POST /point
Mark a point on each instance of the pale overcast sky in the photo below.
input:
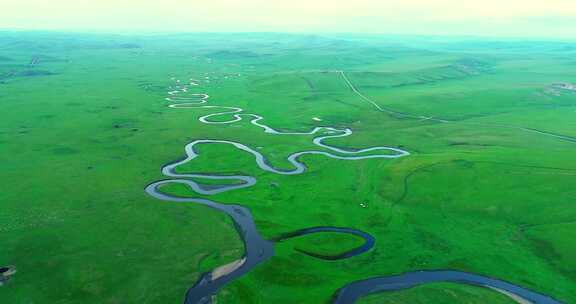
(552, 18)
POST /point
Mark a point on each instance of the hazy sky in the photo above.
(553, 18)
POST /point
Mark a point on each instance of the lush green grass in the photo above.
(85, 131)
(439, 293)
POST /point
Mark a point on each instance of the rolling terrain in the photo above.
(484, 184)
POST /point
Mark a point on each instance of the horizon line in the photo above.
(295, 33)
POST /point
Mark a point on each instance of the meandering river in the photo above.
(258, 249)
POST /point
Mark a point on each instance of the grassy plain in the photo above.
(85, 129)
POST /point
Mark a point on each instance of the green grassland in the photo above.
(438, 293)
(84, 130)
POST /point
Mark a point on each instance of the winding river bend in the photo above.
(258, 249)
